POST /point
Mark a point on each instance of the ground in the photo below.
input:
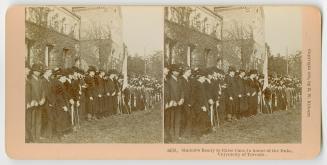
(146, 127)
(279, 127)
(138, 127)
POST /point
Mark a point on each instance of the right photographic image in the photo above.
(232, 74)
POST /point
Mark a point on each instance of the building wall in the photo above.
(249, 19)
(101, 36)
(192, 36)
(51, 36)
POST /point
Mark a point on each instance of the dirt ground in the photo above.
(279, 127)
(138, 127)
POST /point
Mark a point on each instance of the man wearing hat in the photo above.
(175, 102)
(100, 86)
(75, 93)
(211, 94)
(91, 93)
(48, 118)
(186, 119)
(111, 93)
(216, 88)
(62, 117)
(167, 107)
(253, 93)
(199, 103)
(37, 97)
(241, 105)
(222, 96)
(231, 94)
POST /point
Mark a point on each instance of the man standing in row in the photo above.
(37, 97)
(175, 102)
(186, 87)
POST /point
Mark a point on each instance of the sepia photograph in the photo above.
(232, 74)
(173, 82)
(92, 74)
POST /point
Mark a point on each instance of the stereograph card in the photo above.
(216, 82)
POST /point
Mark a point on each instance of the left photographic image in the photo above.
(93, 74)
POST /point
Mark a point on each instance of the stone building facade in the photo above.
(51, 36)
(81, 36)
(192, 36)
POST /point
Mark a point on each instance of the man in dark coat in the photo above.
(253, 93)
(215, 89)
(240, 100)
(48, 117)
(111, 92)
(199, 103)
(37, 97)
(76, 95)
(222, 97)
(100, 94)
(231, 90)
(167, 107)
(91, 93)
(62, 117)
(186, 88)
(175, 102)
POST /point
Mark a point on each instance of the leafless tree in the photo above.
(101, 35)
(238, 43)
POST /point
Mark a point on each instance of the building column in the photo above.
(189, 57)
(171, 52)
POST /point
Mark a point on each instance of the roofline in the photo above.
(212, 12)
(70, 12)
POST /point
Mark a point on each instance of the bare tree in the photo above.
(101, 35)
(238, 43)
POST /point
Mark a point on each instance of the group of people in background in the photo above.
(57, 100)
(198, 101)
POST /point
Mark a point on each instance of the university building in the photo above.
(80, 36)
(197, 36)
(51, 36)
(192, 36)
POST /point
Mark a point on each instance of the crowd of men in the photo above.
(57, 100)
(198, 101)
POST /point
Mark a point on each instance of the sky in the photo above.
(143, 29)
(283, 29)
